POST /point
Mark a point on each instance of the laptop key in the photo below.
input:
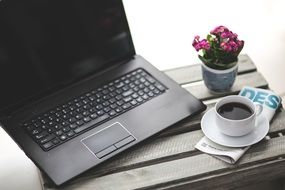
(35, 131)
(145, 96)
(134, 102)
(126, 106)
(47, 145)
(97, 120)
(107, 109)
(80, 122)
(63, 137)
(72, 126)
(50, 130)
(113, 106)
(58, 133)
(47, 138)
(93, 116)
(86, 107)
(99, 107)
(159, 86)
(72, 120)
(150, 94)
(41, 135)
(70, 133)
(79, 116)
(55, 141)
(85, 113)
(65, 129)
(127, 99)
(56, 127)
(150, 79)
(112, 113)
(127, 93)
(64, 123)
(92, 110)
(86, 119)
(139, 99)
(156, 91)
(119, 109)
(119, 85)
(101, 112)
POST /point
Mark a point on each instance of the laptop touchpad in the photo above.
(108, 140)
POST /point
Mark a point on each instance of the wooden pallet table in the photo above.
(169, 160)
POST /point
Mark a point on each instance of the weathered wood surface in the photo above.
(186, 169)
(169, 160)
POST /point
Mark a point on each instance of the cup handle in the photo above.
(258, 108)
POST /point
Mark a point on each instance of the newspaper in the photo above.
(270, 102)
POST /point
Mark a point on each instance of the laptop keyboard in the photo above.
(87, 111)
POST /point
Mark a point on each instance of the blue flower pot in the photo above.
(219, 80)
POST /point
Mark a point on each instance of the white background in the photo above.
(163, 31)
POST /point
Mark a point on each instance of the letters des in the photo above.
(261, 97)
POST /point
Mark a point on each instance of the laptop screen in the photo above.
(47, 44)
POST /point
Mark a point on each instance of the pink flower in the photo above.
(225, 35)
(233, 45)
(240, 43)
(196, 42)
(198, 45)
(220, 46)
(228, 35)
(234, 36)
(227, 47)
(219, 29)
(205, 44)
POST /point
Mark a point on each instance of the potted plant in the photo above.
(219, 55)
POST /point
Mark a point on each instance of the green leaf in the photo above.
(209, 38)
(204, 60)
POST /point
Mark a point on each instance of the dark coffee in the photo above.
(235, 111)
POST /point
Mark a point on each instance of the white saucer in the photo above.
(211, 130)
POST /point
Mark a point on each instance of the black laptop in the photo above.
(73, 91)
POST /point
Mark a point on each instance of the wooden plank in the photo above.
(184, 169)
(254, 79)
(259, 174)
(159, 150)
(188, 74)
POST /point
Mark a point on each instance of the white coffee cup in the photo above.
(237, 127)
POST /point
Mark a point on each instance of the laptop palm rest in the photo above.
(108, 140)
